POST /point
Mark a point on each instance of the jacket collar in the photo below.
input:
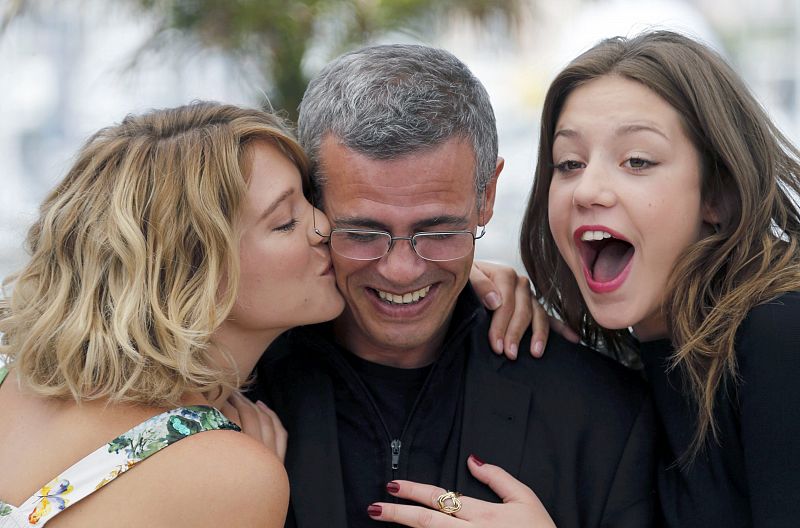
(496, 414)
(312, 459)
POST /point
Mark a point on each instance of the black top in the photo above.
(576, 427)
(393, 390)
(396, 423)
(752, 476)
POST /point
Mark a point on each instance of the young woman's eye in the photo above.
(639, 164)
(288, 226)
(569, 166)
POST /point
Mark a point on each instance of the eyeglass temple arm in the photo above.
(314, 221)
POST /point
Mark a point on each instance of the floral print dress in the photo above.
(110, 461)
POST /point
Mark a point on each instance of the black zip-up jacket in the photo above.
(575, 426)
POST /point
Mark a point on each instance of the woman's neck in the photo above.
(244, 347)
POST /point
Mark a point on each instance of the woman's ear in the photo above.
(719, 206)
(711, 215)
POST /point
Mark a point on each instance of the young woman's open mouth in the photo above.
(606, 257)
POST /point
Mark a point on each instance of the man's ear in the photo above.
(489, 193)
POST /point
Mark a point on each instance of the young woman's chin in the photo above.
(645, 327)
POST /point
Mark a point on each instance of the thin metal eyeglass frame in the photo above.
(411, 239)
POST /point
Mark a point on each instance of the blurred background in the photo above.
(70, 67)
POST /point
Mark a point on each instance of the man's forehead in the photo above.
(450, 164)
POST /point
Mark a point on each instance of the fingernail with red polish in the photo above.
(374, 510)
(393, 487)
(477, 460)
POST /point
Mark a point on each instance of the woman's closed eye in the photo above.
(288, 226)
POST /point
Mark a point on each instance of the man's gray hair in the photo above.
(391, 100)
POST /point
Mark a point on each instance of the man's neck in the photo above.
(349, 334)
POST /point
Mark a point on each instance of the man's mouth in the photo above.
(605, 254)
(403, 298)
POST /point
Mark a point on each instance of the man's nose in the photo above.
(401, 265)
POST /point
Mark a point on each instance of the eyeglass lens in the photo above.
(374, 245)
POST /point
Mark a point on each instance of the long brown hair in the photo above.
(123, 288)
(749, 176)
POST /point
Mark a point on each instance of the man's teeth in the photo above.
(595, 235)
(405, 298)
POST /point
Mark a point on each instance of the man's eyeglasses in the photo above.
(437, 246)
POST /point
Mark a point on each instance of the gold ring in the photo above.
(448, 502)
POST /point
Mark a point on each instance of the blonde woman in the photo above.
(179, 245)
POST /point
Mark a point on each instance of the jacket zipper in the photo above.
(395, 447)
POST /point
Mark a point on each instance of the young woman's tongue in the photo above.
(611, 260)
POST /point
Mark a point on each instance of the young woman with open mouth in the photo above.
(664, 221)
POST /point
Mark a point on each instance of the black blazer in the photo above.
(575, 426)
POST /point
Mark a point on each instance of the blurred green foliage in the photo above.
(278, 34)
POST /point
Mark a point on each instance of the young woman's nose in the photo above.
(594, 187)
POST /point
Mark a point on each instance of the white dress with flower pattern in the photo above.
(110, 461)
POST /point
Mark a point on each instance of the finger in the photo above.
(428, 495)
(541, 328)
(281, 436)
(230, 412)
(248, 415)
(564, 331)
(494, 285)
(484, 287)
(504, 485)
(424, 494)
(414, 516)
(521, 317)
(502, 315)
(261, 423)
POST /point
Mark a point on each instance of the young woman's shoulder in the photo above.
(768, 405)
(214, 478)
(771, 332)
(768, 357)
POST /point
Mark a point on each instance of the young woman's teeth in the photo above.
(405, 298)
(595, 235)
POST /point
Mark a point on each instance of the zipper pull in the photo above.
(395, 445)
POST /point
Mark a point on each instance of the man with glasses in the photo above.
(403, 385)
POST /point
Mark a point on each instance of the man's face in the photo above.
(432, 190)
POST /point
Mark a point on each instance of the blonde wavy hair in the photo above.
(134, 259)
(750, 177)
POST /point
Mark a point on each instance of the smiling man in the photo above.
(403, 385)
(400, 302)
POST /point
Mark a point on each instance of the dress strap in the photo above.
(3, 374)
(118, 456)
